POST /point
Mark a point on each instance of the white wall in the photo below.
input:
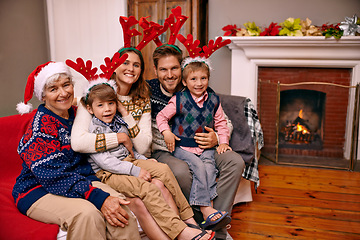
(263, 12)
(23, 46)
(86, 29)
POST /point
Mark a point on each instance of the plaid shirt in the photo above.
(251, 171)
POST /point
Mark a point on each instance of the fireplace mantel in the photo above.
(249, 53)
(310, 47)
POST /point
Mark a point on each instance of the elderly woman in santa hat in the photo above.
(56, 184)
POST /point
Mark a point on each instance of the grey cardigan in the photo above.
(111, 160)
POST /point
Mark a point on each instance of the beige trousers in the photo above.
(80, 218)
(151, 195)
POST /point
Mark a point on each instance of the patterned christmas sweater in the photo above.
(158, 101)
(50, 165)
(138, 121)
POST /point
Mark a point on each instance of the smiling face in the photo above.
(197, 82)
(168, 72)
(103, 110)
(128, 72)
(59, 95)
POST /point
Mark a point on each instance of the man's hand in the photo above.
(144, 175)
(124, 139)
(170, 138)
(206, 140)
(114, 213)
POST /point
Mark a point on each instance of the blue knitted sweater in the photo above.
(50, 165)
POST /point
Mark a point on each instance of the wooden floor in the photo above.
(300, 203)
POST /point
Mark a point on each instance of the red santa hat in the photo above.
(36, 82)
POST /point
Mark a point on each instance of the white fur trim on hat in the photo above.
(188, 60)
(23, 108)
(48, 71)
(99, 81)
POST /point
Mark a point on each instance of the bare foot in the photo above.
(191, 221)
(207, 210)
(189, 233)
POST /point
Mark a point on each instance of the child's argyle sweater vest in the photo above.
(190, 118)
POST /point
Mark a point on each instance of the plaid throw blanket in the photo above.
(251, 170)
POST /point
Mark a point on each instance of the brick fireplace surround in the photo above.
(335, 106)
(299, 59)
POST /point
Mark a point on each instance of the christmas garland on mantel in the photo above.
(298, 27)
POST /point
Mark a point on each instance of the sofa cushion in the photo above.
(15, 225)
(241, 140)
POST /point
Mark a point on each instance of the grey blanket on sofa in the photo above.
(241, 138)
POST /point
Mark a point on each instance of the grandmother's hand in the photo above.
(114, 213)
(206, 140)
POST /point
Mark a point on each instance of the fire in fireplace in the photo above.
(301, 119)
(297, 132)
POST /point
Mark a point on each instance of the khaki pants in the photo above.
(150, 194)
(80, 218)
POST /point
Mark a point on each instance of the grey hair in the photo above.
(56, 77)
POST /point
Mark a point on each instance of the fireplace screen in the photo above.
(301, 119)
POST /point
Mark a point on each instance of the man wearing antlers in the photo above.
(167, 64)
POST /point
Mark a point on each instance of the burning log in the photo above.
(298, 132)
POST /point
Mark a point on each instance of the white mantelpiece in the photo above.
(249, 53)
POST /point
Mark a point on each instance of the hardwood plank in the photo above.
(326, 204)
(312, 178)
(307, 222)
(306, 183)
(308, 194)
(300, 203)
(301, 210)
(304, 171)
(271, 231)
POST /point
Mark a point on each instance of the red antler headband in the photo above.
(195, 54)
(151, 31)
(175, 26)
(175, 21)
(90, 73)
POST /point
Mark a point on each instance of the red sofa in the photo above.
(15, 225)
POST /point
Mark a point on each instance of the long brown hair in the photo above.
(140, 89)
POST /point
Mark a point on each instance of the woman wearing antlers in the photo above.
(134, 108)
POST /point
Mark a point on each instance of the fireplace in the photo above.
(263, 67)
(301, 119)
(310, 111)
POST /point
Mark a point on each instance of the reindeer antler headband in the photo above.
(90, 73)
(151, 32)
(175, 21)
(195, 54)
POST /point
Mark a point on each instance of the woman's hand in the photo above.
(170, 138)
(124, 139)
(144, 174)
(206, 140)
(114, 213)
(122, 110)
(223, 148)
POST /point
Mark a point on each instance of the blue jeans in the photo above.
(203, 168)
